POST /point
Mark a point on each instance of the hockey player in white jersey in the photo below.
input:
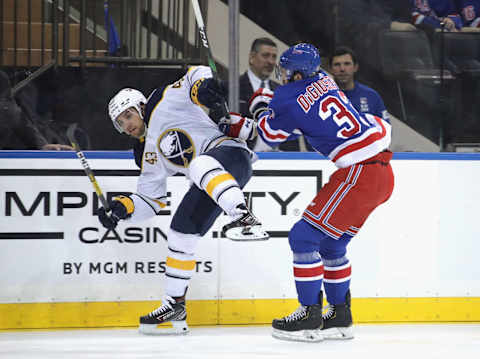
(176, 136)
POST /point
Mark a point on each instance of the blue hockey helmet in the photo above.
(302, 58)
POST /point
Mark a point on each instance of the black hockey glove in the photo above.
(120, 208)
(212, 93)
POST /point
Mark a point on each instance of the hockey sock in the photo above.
(308, 274)
(336, 279)
(179, 270)
(180, 263)
(209, 175)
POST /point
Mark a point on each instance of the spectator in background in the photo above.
(261, 63)
(17, 130)
(470, 13)
(433, 14)
(343, 66)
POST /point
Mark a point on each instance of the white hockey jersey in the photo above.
(178, 131)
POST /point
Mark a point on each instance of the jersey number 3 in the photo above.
(333, 107)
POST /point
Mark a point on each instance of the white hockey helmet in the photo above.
(123, 100)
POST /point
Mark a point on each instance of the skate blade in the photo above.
(255, 233)
(179, 327)
(310, 336)
(341, 333)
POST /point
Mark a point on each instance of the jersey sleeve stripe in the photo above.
(364, 143)
(270, 134)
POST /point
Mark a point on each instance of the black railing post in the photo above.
(176, 27)
(168, 32)
(134, 28)
(149, 26)
(15, 20)
(94, 35)
(42, 50)
(55, 32)
(83, 10)
(138, 16)
(107, 26)
(160, 30)
(66, 32)
(122, 28)
(1, 32)
(29, 21)
(186, 13)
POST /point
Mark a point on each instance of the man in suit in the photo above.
(261, 63)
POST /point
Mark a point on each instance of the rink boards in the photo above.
(415, 259)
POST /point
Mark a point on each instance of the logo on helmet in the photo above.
(302, 58)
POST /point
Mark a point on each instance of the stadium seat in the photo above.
(461, 52)
(404, 52)
(406, 59)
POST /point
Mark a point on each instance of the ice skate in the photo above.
(170, 311)
(337, 321)
(246, 227)
(303, 325)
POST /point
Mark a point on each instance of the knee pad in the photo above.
(304, 238)
(333, 248)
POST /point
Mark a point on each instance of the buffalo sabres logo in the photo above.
(151, 157)
(177, 147)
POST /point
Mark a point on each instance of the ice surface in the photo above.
(254, 342)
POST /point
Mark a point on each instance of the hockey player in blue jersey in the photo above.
(434, 13)
(310, 103)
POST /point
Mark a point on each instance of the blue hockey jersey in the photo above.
(431, 12)
(367, 100)
(470, 11)
(318, 109)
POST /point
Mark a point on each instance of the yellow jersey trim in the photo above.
(215, 181)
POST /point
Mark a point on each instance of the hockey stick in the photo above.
(86, 167)
(206, 44)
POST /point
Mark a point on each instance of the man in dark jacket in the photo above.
(261, 63)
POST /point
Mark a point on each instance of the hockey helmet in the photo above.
(122, 101)
(302, 58)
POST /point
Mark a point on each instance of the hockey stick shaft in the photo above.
(203, 37)
(206, 45)
(86, 167)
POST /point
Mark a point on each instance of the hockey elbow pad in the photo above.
(121, 207)
(238, 126)
(208, 92)
(259, 102)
